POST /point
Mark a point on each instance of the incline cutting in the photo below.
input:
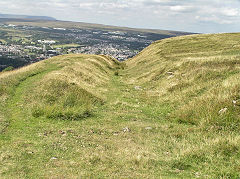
(171, 111)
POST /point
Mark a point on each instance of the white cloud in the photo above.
(187, 15)
(231, 12)
(86, 5)
(180, 8)
(213, 19)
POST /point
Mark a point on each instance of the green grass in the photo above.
(3, 41)
(153, 116)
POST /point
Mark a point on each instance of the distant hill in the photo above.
(46, 22)
(14, 16)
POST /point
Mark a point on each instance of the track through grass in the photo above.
(171, 112)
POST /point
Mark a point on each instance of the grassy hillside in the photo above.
(198, 74)
(170, 112)
(72, 84)
(192, 85)
(45, 97)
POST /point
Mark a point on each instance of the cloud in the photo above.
(179, 8)
(231, 12)
(187, 15)
(213, 19)
(161, 2)
(86, 5)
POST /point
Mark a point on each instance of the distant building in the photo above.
(59, 28)
(47, 41)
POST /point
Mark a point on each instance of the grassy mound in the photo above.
(65, 87)
(193, 83)
(197, 75)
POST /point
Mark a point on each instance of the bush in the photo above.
(10, 68)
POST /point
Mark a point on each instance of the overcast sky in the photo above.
(206, 16)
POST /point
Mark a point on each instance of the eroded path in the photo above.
(116, 141)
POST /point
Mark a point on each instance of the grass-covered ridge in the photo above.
(170, 112)
(194, 81)
(66, 87)
(197, 74)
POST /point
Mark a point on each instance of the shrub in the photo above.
(10, 68)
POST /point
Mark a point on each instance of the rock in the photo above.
(137, 88)
(138, 157)
(126, 129)
(53, 158)
(222, 111)
(170, 73)
(166, 153)
(63, 133)
(236, 102)
(178, 171)
(148, 128)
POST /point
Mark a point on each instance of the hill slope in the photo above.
(56, 86)
(171, 111)
(14, 16)
(194, 72)
(41, 22)
(193, 82)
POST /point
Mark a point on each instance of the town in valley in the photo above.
(25, 44)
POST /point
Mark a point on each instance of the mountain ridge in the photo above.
(15, 16)
(66, 24)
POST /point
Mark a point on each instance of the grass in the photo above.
(197, 76)
(10, 68)
(3, 41)
(166, 113)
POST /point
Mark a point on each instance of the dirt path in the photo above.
(117, 141)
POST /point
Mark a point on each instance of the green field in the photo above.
(170, 112)
(3, 41)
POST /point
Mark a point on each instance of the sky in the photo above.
(202, 16)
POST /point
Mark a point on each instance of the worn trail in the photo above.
(113, 138)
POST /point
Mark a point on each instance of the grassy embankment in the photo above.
(192, 85)
(172, 112)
